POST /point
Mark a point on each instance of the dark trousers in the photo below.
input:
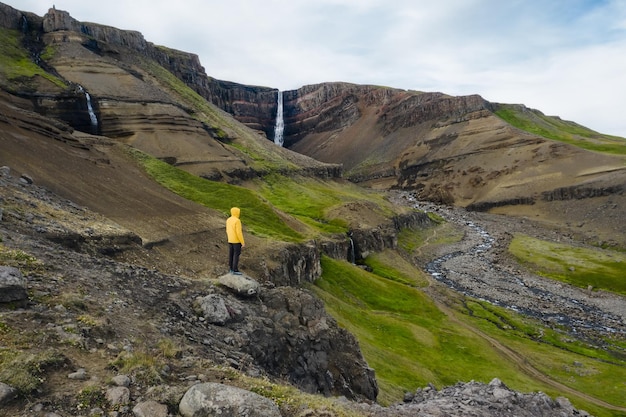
(234, 250)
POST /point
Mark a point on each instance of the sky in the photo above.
(566, 58)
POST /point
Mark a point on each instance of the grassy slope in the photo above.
(408, 340)
(597, 268)
(554, 128)
(16, 67)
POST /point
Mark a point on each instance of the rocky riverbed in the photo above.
(480, 267)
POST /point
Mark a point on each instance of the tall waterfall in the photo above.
(280, 123)
(92, 114)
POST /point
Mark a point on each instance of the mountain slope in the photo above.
(458, 150)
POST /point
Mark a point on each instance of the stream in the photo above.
(473, 268)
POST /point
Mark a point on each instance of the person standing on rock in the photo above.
(235, 240)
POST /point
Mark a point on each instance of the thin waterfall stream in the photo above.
(92, 114)
(279, 128)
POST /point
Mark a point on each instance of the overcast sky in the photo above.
(562, 57)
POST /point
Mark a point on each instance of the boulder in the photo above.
(212, 399)
(240, 284)
(12, 285)
(150, 409)
(213, 309)
(7, 393)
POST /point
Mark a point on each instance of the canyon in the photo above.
(110, 238)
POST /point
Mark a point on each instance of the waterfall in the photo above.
(352, 260)
(280, 123)
(92, 114)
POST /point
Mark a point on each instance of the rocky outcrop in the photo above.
(296, 264)
(211, 399)
(583, 191)
(285, 333)
(60, 20)
(475, 399)
(297, 340)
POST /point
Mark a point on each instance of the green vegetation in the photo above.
(410, 341)
(554, 128)
(23, 370)
(308, 200)
(16, 66)
(415, 240)
(145, 366)
(599, 373)
(90, 397)
(390, 265)
(260, 217)
(311, 201)
(20, 259)
(584, 267)
(404, 336)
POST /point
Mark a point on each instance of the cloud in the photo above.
(563, 58)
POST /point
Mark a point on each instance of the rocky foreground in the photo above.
(93, 311)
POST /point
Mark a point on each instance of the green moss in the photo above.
(555, 128)
(91, 397)
(390, 265)
(25, 262)
(584, 267)
(143, 365)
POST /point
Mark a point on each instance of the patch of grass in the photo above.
(597, 372)
(71, 301)
(305, 200)
(583, 267)
(311, 200)
(21, 260)
(390, 265)
(554, 128)
(404, 336)
(24, 371)
(169, 349)
(91, 397)
(410, 342)
(257, 216)
(16, 66)
(413, 241)
(144, 365)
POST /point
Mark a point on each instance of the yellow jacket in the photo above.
(233, 227)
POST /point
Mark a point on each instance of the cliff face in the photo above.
(454, 150)
(102, 80)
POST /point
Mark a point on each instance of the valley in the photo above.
(412, 252)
